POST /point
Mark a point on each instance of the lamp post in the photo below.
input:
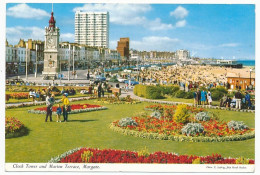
(36, 60)
(250, 77)
(73, 59)
(69, 64)
(26, 60)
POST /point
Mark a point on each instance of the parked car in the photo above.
(132, 82)
(121, 80)
(100, 78)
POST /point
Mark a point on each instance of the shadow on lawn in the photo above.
(82, 120)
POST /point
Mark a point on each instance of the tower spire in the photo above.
(52, 20)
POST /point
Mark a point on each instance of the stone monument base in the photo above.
(49, 75)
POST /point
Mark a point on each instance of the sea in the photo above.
(246, 62)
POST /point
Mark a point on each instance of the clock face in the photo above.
(51, 41)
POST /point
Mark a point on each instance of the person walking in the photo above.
(49, 104)
(238, 97)
(66, 103)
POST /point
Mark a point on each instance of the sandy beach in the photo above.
(195, 73)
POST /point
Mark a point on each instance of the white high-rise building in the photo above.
(182, 54)
(92, 28)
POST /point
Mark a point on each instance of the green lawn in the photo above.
(91, 129)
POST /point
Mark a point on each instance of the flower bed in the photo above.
(21, 95)
(75, 108)
(90, 155)
(167, 127)
(28, 104)
(14, 128)
(113, 100)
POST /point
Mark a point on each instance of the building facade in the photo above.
(123, 47)
(30, 52)
(92, 28)
(243, 82)
(182, 54)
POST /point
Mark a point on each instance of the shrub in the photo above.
(153, 92)
(169, 90)
(124, 122)
(216, 95)
(218, 92)
(156, 114)
(237, 125)
(181, 114)
(192, 129)
(202, 116)
(188, 95)
(180, 94)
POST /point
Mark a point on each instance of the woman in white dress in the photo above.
(209, 98)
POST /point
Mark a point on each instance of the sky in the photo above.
(207, 31)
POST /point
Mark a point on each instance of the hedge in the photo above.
(150, 92)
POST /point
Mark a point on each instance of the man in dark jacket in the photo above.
(238, 97)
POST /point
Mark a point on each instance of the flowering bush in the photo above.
(14, 127)
(237, 125)
(202, 116)
(123, 156)
(124, 122)
(21, 95)
(182, 114)
(192, 129)
(75, 108)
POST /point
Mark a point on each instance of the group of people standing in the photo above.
(202, 97)
(50, 101)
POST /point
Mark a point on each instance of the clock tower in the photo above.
(51, 50)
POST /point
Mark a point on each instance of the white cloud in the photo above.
(179, 12)
(25, 11)
(157, 25)
(153, 43)
(127, 14)
(14, 34)
(67, 37)
(229, 45)
(181, 23)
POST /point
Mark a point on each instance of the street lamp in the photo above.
(69, 64)
(36, 60)
(250, 76)
(26, 60)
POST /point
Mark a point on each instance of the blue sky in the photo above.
(211, 31)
